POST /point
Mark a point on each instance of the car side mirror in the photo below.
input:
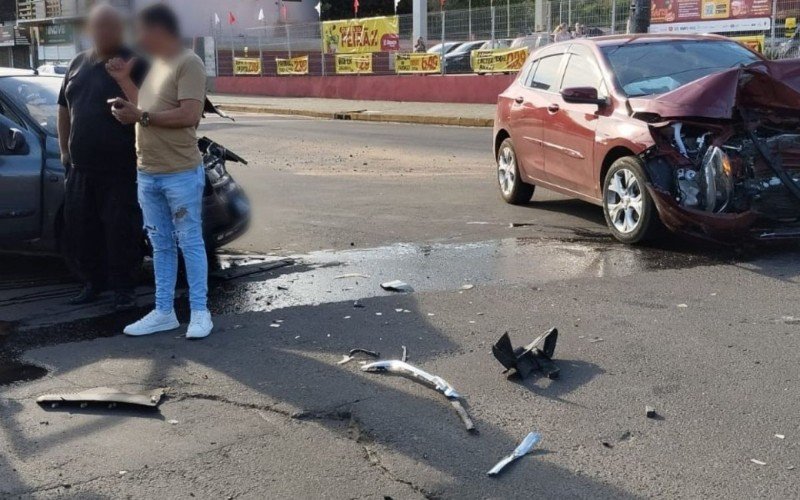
(12, 141)
(582, 95)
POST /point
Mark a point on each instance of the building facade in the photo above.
(14, 44)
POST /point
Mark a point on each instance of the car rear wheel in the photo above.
(512, 189)
(628, 208)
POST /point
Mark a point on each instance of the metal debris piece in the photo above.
(397, 286)
(780, 436)
(149, 398)
(405, 354)
(357, 304)
(468, 286)
(351, 275)
(758, 462)
(353, 352)
(403, 369)
(521, 450)
(650, 412)
(538, 355)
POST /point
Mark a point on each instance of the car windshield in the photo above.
(640, 67)
(38, 95)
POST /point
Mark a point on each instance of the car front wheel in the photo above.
(628, 208)
(512, 189)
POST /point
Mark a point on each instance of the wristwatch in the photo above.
(144, 120)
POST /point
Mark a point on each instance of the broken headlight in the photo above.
(716, 180)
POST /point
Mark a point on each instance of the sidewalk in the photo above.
(432, 113)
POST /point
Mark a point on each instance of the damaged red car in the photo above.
(696, 133)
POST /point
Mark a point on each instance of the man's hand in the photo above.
(119, 69)
(124, 111)
(65, 159)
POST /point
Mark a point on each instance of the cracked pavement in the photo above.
(261, 409)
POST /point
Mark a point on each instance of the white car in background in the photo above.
(52, 69)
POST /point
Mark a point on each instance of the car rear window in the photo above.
(658, 67)
(545, 76)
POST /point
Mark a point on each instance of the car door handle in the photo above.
(519, 100)
(553, 108)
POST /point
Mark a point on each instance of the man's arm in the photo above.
(128, 75)
(64, 125)
(186, 115)
(191, 96)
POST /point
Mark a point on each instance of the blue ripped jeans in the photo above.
(172, 207)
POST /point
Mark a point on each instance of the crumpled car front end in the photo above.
(726, 159)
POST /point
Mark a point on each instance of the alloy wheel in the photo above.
(506, 170)
(624, 200)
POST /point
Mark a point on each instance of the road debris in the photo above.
(525, 447)
(780, 436)
(683, 306)
(351, 275)
(149, 398)
(405, 354)
(537, 355)
(358, 305)
(403, 369)
(650, 412)
(522, 224)
(758, 462)
(172, 422)
(354, 352)
(397, 286)
(468, 286)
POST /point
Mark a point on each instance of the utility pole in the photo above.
(538, 15)
(419, 17)
(640, 16)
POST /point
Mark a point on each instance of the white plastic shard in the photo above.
(397, 286)
(149, 398)
(403, 369)
(525, 447)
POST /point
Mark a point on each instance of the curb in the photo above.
(362, 116)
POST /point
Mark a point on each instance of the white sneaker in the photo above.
(155, 321)
(200, 325)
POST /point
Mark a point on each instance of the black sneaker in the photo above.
(124, 301)
(87, 295)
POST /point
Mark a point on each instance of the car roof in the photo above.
(16, 72)
(612, 40)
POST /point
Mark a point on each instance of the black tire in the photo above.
(631, 215)
(512, 189)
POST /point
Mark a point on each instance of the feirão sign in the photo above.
(352, 36)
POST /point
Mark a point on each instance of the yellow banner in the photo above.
(418, 62)
(352, 36)
(790, 26)
(498, 60)
(755, 42)
(246, 66)
(293, 66)
(351, 64)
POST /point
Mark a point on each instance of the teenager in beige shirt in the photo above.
(171, 178)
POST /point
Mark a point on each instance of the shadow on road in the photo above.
(276, 369)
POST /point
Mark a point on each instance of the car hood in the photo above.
(774, 85)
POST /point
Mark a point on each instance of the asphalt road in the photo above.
(261, 409)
